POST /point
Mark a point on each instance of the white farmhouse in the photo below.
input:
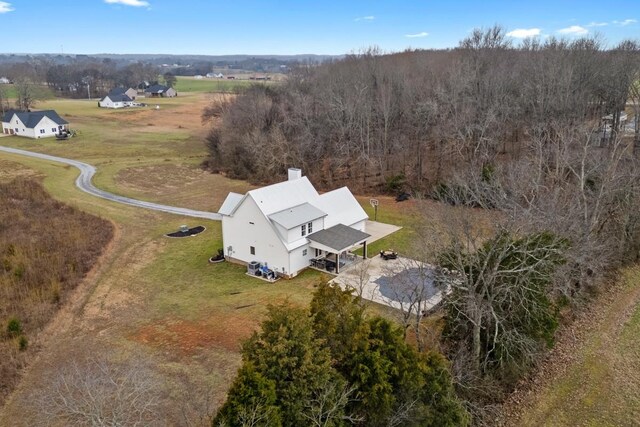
(33, 124)
(289, 225)
(118, 97)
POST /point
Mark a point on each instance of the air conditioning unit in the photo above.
(253, 268)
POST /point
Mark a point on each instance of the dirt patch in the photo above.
(10, 170)
(186, 116)
(159, 179)
(179, 185)
(187, 338)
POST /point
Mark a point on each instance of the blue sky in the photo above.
(291, 27)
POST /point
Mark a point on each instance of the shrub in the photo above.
(14, 327)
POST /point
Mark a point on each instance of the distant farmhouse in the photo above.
(289, 226)
(118, 98)
(160, 91)
(215, 75)
(4, 81)
(34, 124)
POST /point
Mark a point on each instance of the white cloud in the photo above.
(365, 18)
(523, 33)
(575, 30)
(135, 3)
(5, 7)
(416, 35)
(625, 22)
(597, 24)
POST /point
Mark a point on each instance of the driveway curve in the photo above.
(83, 182)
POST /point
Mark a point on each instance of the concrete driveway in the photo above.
(403, 283)
(378, 230)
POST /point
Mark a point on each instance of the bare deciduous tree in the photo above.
(97, 391)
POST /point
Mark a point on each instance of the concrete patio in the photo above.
(399, 283)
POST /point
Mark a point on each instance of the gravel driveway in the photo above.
(83, 182)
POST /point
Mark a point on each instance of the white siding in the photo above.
(299, 261)
(239, 232)
(49, 127)
(296, 232)
(108, 103)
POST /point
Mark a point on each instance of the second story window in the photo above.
(303, 229)
(310, 228)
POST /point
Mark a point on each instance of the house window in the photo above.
(41, 130)
(53, 130)
(310, 228)
(16, 130)
(252, 249)
(304, 229)
(304, 252)
(318, 252)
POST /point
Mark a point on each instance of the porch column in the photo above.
(364, 250)
(337, 263)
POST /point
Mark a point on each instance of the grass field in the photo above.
(599, 384)
(150, 294)
(40, 92)
(189, 84)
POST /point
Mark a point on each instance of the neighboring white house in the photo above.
(118, 97)
(34, 124)
(4, 80)
(289, 224)
(115, 101)
(160, 91)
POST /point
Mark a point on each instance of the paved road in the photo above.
(84, 183)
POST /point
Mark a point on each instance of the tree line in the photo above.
(79, 79)
(412, 118)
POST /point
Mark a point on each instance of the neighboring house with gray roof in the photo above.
(33, 124)
(289, 226)
(160, 91)
(118, 97)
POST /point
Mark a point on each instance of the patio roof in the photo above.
(337, 239)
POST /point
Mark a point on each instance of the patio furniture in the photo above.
(389, 254)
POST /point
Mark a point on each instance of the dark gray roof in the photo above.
(118, 97)
(31, 119)
(7, 115)
(339, 237)
(117, 91)
(157, 89)
(297, 215)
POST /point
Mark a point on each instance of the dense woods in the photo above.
(535, 133)
(416, 117)
(46, 248)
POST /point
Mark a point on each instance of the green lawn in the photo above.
(189, 84)
(40, 91)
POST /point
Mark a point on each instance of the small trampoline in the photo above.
(405, 285)
(187, 232)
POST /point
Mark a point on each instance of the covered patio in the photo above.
(333, 247)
